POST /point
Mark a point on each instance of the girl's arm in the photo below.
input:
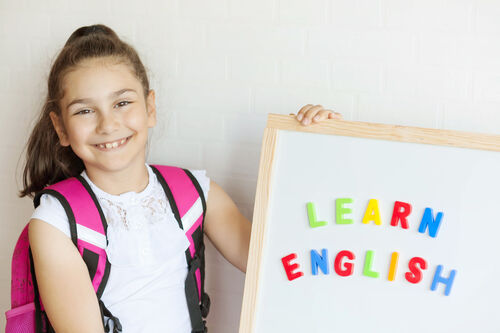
(227, 228)
(63, 280)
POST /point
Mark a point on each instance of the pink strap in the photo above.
(21, 283)
(185, 195)
(87, 215)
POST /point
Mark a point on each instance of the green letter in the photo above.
(340, 210)
(311, 213)
(367, 270)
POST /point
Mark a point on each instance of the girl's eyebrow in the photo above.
(113, 94)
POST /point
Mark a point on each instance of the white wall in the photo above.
(218, 67)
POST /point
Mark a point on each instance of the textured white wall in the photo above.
(218, 67)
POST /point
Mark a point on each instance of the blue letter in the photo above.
(446, 281)
(429, 222)
(320, 261)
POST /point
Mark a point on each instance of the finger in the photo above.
(321, 115)
(335, 115)
(311, 113)
(304, 109)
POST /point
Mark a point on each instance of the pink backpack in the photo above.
(88, 232)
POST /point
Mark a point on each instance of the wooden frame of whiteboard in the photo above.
(276, 123)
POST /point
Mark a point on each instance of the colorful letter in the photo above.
(367, 270)
(311, 213)
(429, 222)
(393, 267)
(400, 213)
(340, 211)
(320, 261)
(416, 274)
(290, 268)
(446, 281)
(348, 267)
(372, 212)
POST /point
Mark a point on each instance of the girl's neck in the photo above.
(133, 179)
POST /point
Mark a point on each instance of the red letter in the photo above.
(416, 274)
(400, 215)
(289, 268)
(348, 267)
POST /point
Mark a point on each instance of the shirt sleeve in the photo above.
(204, 181)
(52, 212)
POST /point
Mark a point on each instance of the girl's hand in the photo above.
(315, 113)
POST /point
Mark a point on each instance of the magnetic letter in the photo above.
(311, 213)
(320, 261)
(367, 270)
(446, 281)
(372, 212)
(348, 267)
(429, 222)
(340, 211)
(415, 274)
(290, 268)
(400, 213)
(393, 267)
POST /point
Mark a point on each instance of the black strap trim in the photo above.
(96, 202)
(38, 314)
(91, 260)
(170, 196)
(105, 278)
(192, 298)
(67, 209)
(201, 194)
(117, 326)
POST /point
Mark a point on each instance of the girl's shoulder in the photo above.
(203, 180)
(51, 211)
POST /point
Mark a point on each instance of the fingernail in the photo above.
(299, 117)
(306, 121)
(316, 118)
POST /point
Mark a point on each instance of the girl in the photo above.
(94, 123)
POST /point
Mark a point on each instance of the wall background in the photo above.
(218, 67)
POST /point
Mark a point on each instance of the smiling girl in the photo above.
(94, 126)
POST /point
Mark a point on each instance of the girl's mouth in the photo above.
(113, 144)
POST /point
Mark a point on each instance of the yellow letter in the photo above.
(372, 213)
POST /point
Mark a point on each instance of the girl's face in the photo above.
(105, 118)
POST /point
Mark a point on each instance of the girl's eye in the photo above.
(120, 104)
(86, 111)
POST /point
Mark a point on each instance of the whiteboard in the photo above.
(461, 183)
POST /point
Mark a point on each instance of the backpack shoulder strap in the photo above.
(188, 204)
(87, 223)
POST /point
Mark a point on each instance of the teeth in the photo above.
(112, 145)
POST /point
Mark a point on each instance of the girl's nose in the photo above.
(107, 123)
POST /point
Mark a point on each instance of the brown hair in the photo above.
(47, 162)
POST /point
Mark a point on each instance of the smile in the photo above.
(113, 144)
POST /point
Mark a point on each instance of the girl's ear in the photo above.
(58, 126)
(151, 108)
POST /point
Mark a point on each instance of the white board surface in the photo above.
(462, 183)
